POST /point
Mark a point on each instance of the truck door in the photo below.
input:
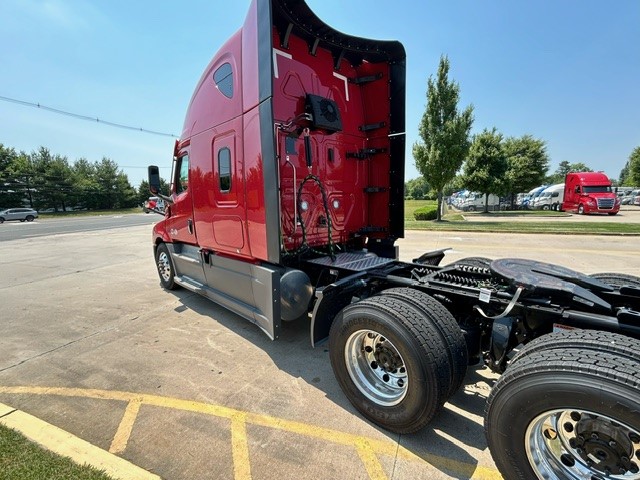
(180, 223)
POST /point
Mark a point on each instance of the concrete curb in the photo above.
(63, 443)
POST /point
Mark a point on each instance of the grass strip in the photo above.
(560, 228)
(21, 459)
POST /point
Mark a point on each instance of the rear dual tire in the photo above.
(391, 361)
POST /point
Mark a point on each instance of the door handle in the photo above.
(190, 226)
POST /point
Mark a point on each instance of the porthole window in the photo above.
(223, 78)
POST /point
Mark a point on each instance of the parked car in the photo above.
(636, 200)
(21, 214)
(628, 198)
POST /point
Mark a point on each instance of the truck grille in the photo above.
(605, 203)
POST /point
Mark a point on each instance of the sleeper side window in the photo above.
(224, 169)
(223, 78)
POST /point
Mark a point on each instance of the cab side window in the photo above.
(182, 174)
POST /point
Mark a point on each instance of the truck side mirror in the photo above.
(154, 179)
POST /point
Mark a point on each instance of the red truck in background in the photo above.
(285, 205)
(589, 192)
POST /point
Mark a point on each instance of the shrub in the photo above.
(426, 213)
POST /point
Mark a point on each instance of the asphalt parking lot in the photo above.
(187, 390)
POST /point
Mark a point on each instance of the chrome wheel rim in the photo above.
(376, 367)
(164, 266)
(582, 445)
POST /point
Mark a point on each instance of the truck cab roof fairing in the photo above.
(295, 17)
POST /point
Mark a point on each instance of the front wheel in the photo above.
(166, 270)
(581, 209)
(30, 218)
(566, 414)
(390, 363)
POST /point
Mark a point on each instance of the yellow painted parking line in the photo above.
(126, 426)
(240, 448)
(368, 449)
(370, 460)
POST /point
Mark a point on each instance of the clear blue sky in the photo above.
(567, 71)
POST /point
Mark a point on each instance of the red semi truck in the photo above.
(589, 192)
(286, 201)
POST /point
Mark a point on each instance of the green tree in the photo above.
(527, 164)
(417, 188)
(114, 189)
(485, 168)
(579, 167)
(444, 132)
(633, 177)
(624, 179)
(564, 168)
(51, 179)
(12, 188)
(86, 185)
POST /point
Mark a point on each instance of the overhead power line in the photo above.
(84, 117)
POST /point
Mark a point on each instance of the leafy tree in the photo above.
(444, 132)
(12, 190)
(486, 165)
(51, 179)
(86, 184)
(564, 168)
(633, 168)
(624, 178)
(48, 180)
(579, 167)
(527, 163)
(417, 188)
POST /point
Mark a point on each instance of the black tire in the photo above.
(165, 267)
(481, 262)
(1, 220)
(402, 383)
(472, 208)
(587, 340)
(450, 333)
(30, 218)
(612, 213)
(22, 219)
(569, 414)
(581, 209)
(617, 279)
